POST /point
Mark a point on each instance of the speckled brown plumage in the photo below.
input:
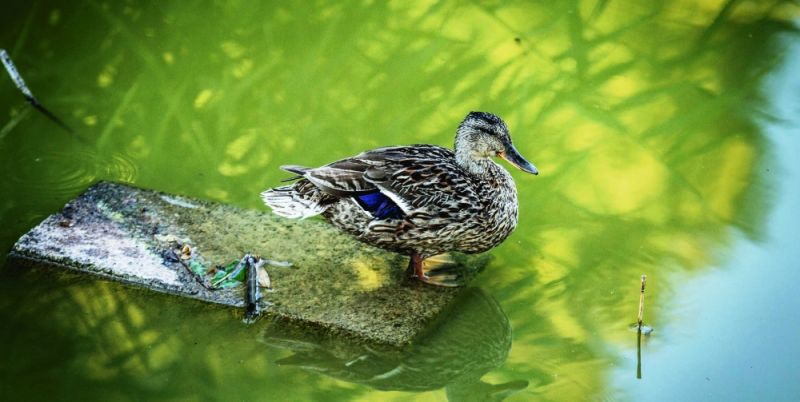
(419, 200)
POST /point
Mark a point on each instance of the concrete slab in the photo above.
(335, 284)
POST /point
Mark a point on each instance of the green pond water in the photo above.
(667, 137)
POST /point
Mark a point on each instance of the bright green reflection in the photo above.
(640, 117)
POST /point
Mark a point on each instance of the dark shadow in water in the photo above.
(643, 119)
(75, 337)
(473, 338)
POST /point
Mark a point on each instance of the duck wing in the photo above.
(428, 178)
(344, 178)
(393, 181)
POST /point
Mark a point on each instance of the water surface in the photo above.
(666, 136)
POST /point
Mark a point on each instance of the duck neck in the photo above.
(471, 160)
(481, 167)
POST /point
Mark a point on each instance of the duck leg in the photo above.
(443, 270)
(415, 267)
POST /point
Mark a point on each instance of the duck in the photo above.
(419, 200)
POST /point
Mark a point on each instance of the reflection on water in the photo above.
(61, 174)
(471, 339)
(121, 340)
(642, 119)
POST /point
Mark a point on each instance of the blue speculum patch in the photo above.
(379, 205)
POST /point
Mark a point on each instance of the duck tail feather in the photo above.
(298, 170)
(293, 202)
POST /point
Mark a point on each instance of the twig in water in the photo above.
(639, 330)
(641, 302)
(20, 83)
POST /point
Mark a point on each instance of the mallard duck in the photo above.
(420, 200)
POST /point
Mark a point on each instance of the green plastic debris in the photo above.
(229, 275)
(219, 277)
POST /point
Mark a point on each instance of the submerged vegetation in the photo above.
(643, 120)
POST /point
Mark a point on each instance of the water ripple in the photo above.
(119, 167)
(64, 174)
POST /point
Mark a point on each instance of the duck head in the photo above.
(479, 137)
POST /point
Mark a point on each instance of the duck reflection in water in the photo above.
(455, 353)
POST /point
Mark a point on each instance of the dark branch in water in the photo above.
(20, 83)
(639, 330)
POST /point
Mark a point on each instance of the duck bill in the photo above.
(513, 157)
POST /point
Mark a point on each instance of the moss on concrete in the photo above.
(335, 283)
